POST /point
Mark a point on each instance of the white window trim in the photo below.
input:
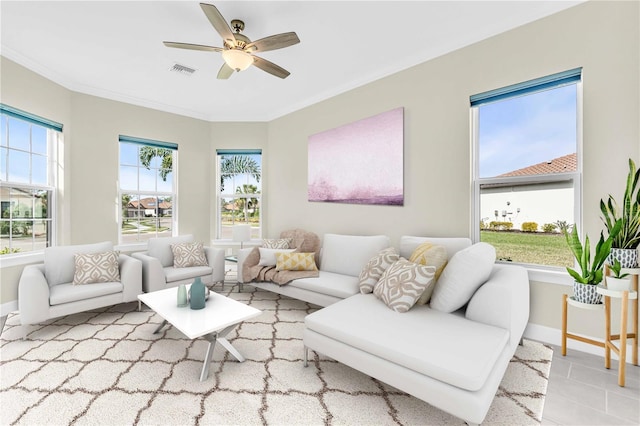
(542, 273)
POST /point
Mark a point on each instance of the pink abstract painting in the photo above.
(360, 162)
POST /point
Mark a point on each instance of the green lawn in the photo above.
(524, 247)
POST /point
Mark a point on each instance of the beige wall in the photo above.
(601, 37)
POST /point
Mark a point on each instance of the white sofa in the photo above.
(45, 290)
(341, 259)
(453, 361)
(159, 272)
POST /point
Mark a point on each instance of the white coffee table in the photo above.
(219, 316)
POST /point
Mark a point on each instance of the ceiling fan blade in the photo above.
(218, 22)
(277, 41)
(225, 71)
(192, 46)
(270, 67)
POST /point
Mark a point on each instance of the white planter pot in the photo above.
(586, 293)
(628, 258)
(618, 284)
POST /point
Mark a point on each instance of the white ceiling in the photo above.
(114, 49)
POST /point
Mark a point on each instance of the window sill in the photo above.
(8, 261)
(549, 276)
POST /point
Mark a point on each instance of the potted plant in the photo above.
(591, 271)
(625, 244)
(618, 281)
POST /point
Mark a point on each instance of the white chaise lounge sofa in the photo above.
(454, 361)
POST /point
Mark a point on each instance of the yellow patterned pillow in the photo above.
(428, 254)
(295, 261)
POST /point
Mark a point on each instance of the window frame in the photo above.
(220, 196)
(141, 142)
(54, 137)
(547, 273)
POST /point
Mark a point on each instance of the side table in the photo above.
(625, 297)
(570, 301)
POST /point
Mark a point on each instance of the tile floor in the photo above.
(582, 392)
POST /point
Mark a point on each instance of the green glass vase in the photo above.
(197, 294)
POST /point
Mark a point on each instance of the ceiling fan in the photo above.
(238, 49)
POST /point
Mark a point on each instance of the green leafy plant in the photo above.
(549, 227)
(616, 268)
(629, 214)
(591, 271)
(529, 226)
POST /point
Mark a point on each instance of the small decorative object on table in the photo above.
(182, 296)
(197, 294)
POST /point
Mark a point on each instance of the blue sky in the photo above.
(21, 138)
(527, 130)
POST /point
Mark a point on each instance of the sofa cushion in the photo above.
(348, 254)
(408, 244)
(429, 254)
(446, 347)
(59, 262)
(176, 274)
(96, 268)
(373, 270)
(160, 248)
(402, 284)
(287, 261)
(186, 255)
(328, 283)
(67, 293)
(277, 243)
(268, 255)
(467, 270)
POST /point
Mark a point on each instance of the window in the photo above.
(148, 194)
(526, 172)
(239, 191)
(28, 146)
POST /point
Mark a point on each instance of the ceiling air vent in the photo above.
(182, 69)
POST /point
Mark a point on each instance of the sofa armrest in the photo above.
(503, 301)
(242, 256)
(215, 257)
(33, 295)
(130, 277)
(153, 277)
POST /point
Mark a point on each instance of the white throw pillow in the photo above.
(187, 255)
(467, 270)
(268, 256)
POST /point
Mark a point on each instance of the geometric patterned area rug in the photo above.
(106, 367)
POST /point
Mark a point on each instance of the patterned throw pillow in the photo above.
(373, 270)
(268, 256)
(402, 284)
(279, 243)
(96, 268)
(295, 261)
(428, 254)
(186, 255)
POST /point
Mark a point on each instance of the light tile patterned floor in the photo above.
(582, 392)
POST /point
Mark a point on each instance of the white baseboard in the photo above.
(7, 308)
(553, 336)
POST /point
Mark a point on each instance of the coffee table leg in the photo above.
(211, 338)
(162, 324)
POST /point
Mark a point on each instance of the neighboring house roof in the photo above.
(567, 163)
(149, 203)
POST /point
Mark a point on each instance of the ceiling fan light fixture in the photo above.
(237, 59)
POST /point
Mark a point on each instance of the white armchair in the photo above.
(159, 272)
(46, 291)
